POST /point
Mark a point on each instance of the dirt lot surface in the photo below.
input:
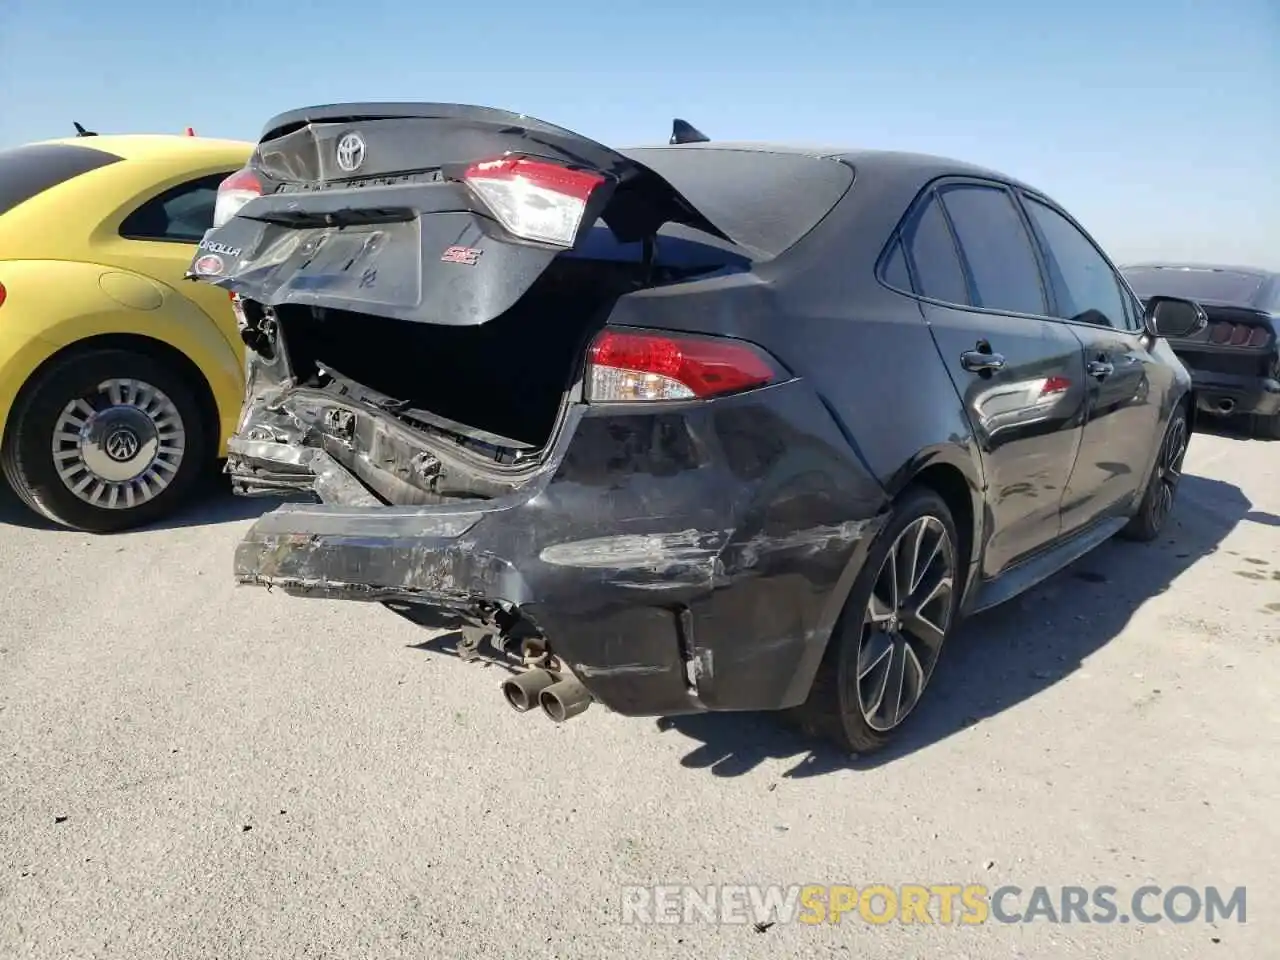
(191, 770)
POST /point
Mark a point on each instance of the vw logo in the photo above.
(122, 445)
(350, 152)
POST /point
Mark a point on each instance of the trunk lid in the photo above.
(382, 209)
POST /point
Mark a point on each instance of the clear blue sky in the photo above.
(1156, 122)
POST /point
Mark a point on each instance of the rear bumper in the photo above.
(1219, 393)
(1231, 382)
(675, 562)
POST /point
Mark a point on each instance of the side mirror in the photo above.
(1173, 317)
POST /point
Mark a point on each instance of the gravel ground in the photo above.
(192, 770)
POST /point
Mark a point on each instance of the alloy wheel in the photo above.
(1168, 470)
(120, 446)
(905, 623)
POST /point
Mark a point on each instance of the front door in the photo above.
(1021, 375)
(1125, 381)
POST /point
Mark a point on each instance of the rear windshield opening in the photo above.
(30, 170)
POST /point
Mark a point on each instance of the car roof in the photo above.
(1264, 294)
(1259, 272)
(883, 163)
(150, 146)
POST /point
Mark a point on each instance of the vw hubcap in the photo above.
(905, 624)
(1169, 471)
(120, 446)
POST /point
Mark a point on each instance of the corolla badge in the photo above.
(350, 153)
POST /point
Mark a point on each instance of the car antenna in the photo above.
(82, 132)
(682, 131)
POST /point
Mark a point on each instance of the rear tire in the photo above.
(105, 441)
(1162, 484)
(1266, 428)
(891, 632)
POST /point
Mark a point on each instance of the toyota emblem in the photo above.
(350, 152)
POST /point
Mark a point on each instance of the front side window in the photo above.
(995, 244)
(181, 214)
(934, 261)
(1087, 290)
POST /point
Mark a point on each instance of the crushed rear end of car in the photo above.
(487, 347)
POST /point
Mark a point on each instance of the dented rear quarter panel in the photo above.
(722, 533)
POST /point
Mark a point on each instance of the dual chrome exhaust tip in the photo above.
(560, 700)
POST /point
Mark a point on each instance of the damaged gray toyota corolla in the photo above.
(667, 429)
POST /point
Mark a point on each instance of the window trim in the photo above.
(1019, 194)
(914, 210)
(1042, 274)
(176, 189)
(1026, 195)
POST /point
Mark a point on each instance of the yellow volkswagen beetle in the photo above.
(119, 380)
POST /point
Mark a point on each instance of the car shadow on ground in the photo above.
(1001, 658)
(212, 502)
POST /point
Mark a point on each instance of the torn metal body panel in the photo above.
(673, 561)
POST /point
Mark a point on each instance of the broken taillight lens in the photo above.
(644, 366)
(233, 193)
(533, 199)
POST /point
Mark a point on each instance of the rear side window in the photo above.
(934, 261)
(762, 200)
(997, 248)
(181, 214)
(30, 170)
(1085, 286)
(896, 274)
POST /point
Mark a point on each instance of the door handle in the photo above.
(1100, 369)
(975, 361)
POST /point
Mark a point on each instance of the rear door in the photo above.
(1019, 373)
(1126, 383)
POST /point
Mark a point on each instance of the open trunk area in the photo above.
(502, 382)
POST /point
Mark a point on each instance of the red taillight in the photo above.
(534, 199)
(3, 293)
(1238, 335)
(233, 193)
(660, 366)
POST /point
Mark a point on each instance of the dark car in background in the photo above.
(1235, 360)
(700, 426)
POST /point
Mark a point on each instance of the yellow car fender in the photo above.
(52, 304)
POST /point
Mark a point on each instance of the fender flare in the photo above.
(55, 305)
